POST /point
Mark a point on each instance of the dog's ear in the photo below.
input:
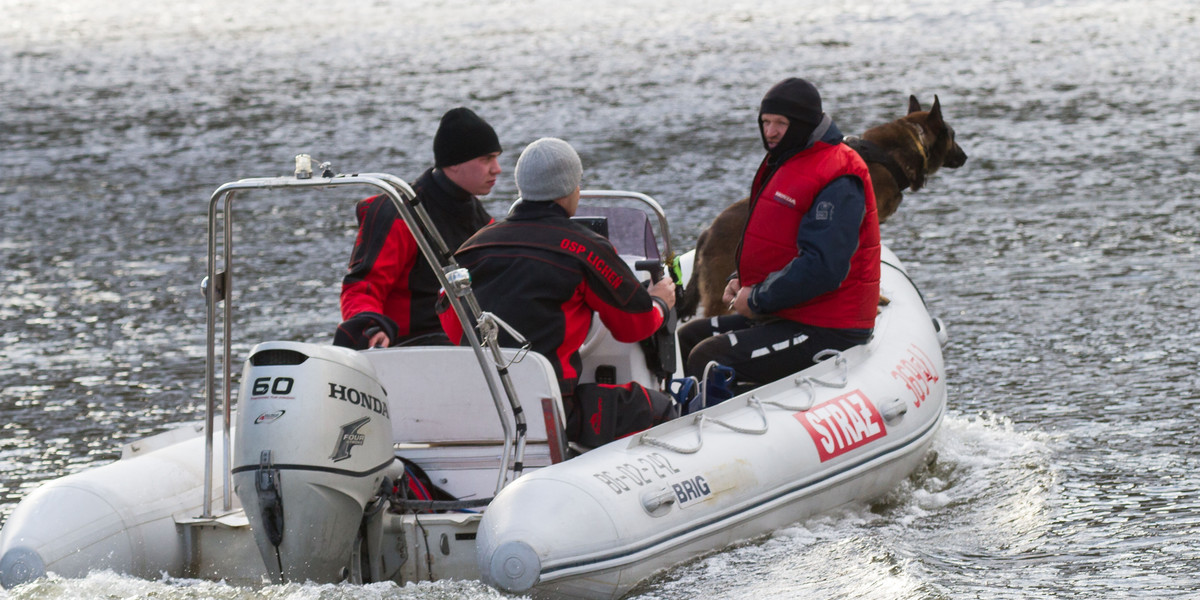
(935, 113)
(913, 105)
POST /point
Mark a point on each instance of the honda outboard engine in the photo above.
(313, 441)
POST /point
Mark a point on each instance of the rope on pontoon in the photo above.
(808, 383)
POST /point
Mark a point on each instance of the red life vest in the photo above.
(769, 242)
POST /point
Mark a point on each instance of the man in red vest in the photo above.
(808, 263)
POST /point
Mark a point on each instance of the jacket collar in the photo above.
(525, 209)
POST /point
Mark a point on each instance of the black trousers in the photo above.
(600, 413)
(759, 351)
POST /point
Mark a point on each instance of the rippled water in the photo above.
(1063, 256)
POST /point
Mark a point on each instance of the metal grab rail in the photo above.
(457, 284)
(219, 287)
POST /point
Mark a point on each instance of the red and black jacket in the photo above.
(546, 275)
(387, 274)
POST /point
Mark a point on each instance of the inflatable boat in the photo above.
(420, 463)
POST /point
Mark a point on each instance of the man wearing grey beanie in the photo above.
(546, 276)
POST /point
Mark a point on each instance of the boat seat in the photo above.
(438, 395)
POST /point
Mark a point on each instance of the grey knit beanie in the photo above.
(548, 169)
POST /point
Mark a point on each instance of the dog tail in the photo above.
(686, 308)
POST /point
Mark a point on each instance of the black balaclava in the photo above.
(799, 101)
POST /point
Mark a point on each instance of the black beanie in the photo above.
(461, 136)
(799, 101)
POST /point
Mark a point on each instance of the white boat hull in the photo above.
(123, 516)
(590, 527)
(597, 525)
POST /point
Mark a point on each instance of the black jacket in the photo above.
(387, 274)
(546, 276)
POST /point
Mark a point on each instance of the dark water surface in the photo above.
(1063, 257)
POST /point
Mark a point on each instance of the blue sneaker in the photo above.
(718, 384)
(684, 390)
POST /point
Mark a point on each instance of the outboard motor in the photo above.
(312, 444)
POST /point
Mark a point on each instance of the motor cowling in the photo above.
(311, 447)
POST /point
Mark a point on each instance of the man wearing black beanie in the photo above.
(808, 262)
(389, 290)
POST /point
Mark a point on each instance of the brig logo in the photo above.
(690, 491)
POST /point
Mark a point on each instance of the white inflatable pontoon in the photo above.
(422, 463)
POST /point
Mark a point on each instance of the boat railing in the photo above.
(660, 216)
(655, 208)
(218, 287)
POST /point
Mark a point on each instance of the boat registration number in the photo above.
(626, 477)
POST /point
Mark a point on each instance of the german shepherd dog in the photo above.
(900, 154)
